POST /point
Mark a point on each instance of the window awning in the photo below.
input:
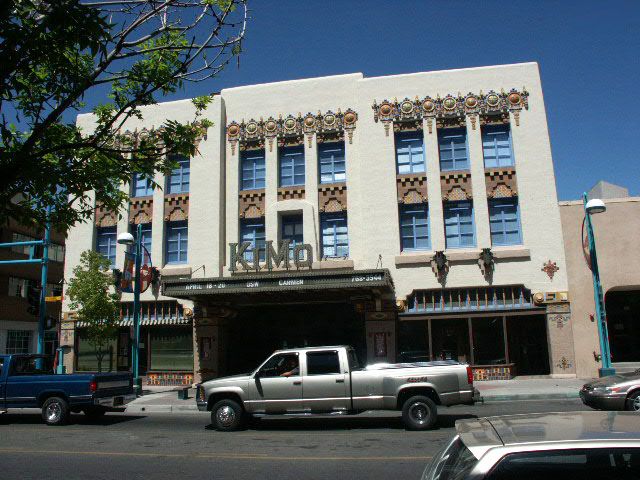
(151, 313)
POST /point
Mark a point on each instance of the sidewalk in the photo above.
(165, 399)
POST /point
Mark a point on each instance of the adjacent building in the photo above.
(616, 233)
(412, 216)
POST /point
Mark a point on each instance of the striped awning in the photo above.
(128, 322)
(151, 314)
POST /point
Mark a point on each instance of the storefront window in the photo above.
(87, 360)
(413, 341)
(488, 341)
(451, 339)
(172, 349)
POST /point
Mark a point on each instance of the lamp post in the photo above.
(127, 239)
(592, 207)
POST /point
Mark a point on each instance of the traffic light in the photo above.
(117, 278)
(50, 322)
(155, 277)
(33, 297)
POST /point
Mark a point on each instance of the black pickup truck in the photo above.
(27, 381)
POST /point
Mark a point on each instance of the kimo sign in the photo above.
(302, 256)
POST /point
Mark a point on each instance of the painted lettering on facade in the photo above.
(280, 258)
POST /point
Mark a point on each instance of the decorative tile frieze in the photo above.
(176, 207)
(105, 217)
(140, 210)
(449, 109)
(456, 186)
(501, 182)
(251, 204)
(411, 188)
(134, 138)
(289, 130)
(332, 198)
(290, 193)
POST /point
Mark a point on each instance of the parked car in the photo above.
(549, 446)
(28, 381)
(328, 381)
(616, 392)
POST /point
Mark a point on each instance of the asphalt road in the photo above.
(181, 446)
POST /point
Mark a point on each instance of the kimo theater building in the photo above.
(414, 217)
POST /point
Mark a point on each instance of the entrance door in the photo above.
(325, 382)
(623, 322)
(277, 386)
(528, 347)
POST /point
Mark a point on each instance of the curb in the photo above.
(527, 396)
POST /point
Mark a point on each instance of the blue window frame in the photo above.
(252, 231)
(146, 236)
(496, 146)
(177, 242)
(106, 243)
(140, 186)
(252, 169)
(178, 181)
(335, 236)
(458, 224)
(504, 219)
(410, 152)
(452, 143)
(291, 229)
(292, 166)
(332, 162)
(414, 227)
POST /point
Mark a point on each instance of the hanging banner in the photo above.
(126, 282)
(145, 271)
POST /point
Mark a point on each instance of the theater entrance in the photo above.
(623, 322)
(257, 331)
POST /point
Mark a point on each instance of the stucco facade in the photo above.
(363, 114)
(616, 233)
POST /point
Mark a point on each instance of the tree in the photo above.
(95, 306)
(54, 54)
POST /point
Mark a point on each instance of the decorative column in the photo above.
(232, 174)
(122, 226)
(436, 215)
(157, 225)
(478, 184)
(68, 341)
(271, 189)
(209, 342)
(311, 224)
(560, 340)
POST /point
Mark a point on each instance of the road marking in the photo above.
(211, 456)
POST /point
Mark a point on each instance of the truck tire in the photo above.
(633, 402)
(419, 413)
(94, 413)
(55, 411)
(227, 415)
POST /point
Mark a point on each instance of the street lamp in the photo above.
(592, 207)
(127, 239)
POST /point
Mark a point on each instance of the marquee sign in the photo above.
(304, 280)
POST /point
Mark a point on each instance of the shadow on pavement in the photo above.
(113, 418)
(342, 423)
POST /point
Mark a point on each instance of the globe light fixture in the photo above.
(595, 205)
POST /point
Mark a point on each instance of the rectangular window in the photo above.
(106, 243)
(410, 152)
(452, 143)
(146, 236)
(292, 166)
(141, 186)
(56, 252)
(178, 181)
(18, 341)
(332, 162)
(496, 146)
(19, 237)
(458, 224)
(177, 242)
(323, 363)
(18, 287)
(335, 237)
(252, 231)
(504, 219)
(171, 349)
(291, 229)
(414, 227)
(252, 169)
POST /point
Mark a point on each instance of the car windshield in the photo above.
(454, 463)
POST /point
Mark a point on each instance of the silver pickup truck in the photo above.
(328, 381)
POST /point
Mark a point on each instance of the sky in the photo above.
(588, 52)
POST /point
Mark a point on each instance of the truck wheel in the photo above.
(94, 412)
(419, 413)
(227, 415)
(633, 402)
(55, 411)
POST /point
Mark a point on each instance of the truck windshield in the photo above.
(454, 463)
